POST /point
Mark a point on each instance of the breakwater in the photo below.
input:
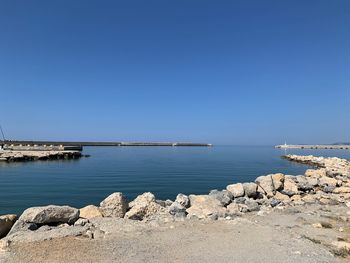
(314, 146)
(86, 143)
(22, 156)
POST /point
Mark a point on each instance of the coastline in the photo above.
(328, 187)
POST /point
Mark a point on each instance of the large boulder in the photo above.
(317, 173)
(34, 217)
(90, 211)
(205, 206)
(250, 189)
(282, 197)
(183, 200)
(269, 184)
(328, 189)
(327, 181)
(6, 223)
(51, 214)
(143, 206)
(278, 181)
(225, 197)
(236, 190)
(341, 190)
(265, 185)
(290, 188)
(115, 205)
(306, 183)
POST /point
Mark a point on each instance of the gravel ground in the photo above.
(287, 235)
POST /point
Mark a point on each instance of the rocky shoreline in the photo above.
(325, 189)
(23, 156)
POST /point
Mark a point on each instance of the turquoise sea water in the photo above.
(165, 171)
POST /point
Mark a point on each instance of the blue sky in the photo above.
(225, 72)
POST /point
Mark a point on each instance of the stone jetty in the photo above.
(27, 155)
(315, 146)
(314, 207)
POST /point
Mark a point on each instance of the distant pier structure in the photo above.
(314, 146)
(40, 147)
(78, 146)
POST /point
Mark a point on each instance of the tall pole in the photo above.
(2, 133)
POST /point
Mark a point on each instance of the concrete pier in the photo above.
(313, 146)
(82, 143)
(41, 147)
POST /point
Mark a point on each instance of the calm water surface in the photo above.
(165, 171)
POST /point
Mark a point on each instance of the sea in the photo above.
(164, 171)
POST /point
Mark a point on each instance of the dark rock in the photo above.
(6, 223)
(263, 201)
(250, 189)
(161, 203)
(225, 197)
(168, 202)
(274, 202)
(252, 205)
(240, 200)
(165, 203)
(259, 195)
(176, 208)
(328, 189)
(306, 183)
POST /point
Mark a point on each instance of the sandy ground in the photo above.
(279, 236)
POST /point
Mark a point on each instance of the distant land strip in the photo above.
(72, 143)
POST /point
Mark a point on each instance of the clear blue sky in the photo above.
(225, 72)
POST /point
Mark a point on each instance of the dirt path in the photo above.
(268, 238)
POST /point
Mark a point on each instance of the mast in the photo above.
(2, 133)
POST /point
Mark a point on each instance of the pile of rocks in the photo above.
(21, 156)
(330, 184)
(333, 166)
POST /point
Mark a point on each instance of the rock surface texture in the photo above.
(237, 190)
(115, 205)
(34, 217)
(143, 206)
(6, 223)
(90, 211)
(205, 206)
